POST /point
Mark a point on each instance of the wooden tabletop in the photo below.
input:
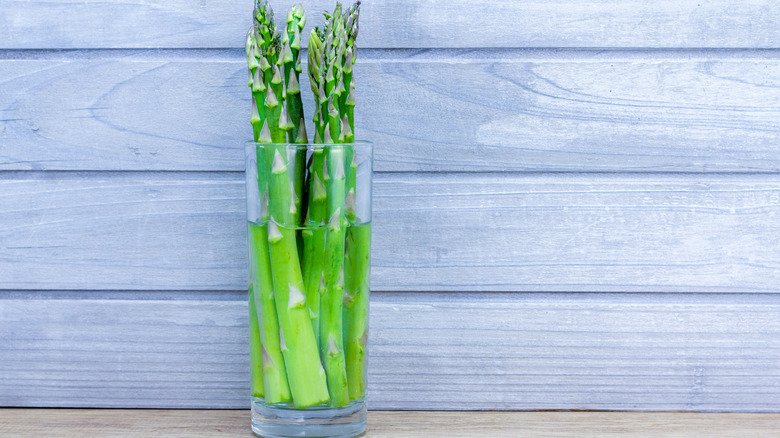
(132, 423)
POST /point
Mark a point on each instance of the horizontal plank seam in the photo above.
(412, 55)
(421, 297)
(230, 175)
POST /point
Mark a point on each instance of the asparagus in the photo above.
(309, 289)
(314, 236)
(261, 44)
(274, 374)
(304, 371)
(291, 47)
(330, 89)
(356, 291)
(291, 64)
(305, 374)
(358, 252)
(304, 379)
(255, 365)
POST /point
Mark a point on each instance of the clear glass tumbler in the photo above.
(309, 233)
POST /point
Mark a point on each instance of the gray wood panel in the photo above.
(437, 232)
(407, 23)
(439, 111)
(427, 351)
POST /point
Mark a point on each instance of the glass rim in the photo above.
(359, 143)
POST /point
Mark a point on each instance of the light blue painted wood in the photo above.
(136, 274)
(425, 111)
(435, 232)
(427, 351)
(406, 23)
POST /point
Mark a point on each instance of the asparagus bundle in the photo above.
(309, 290)
(262, 46)
(274, 247)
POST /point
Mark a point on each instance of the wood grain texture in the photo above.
(425, 111)
(407, 23)
(568, 424)
(435, 232)
(427, 351)
(89, 423)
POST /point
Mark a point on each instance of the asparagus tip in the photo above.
(296, 42)
(265, 133)
(293, 86)
(297, 299)
(284, 119)
(295, 197)
(351, 96)
(257, 82)
(264, 204)
(339, 170)
(334, 224)
(255, 118)
(293, 208)
(328, 139)
(283, 346)
(333, 349)
(274, 235)
(287, 56)
(277, 77)
(319, 192)
(278, 165)
(303, 138)
(266, 357)
(346, 131)
(270, 99)
(264, 65)
(346, 298)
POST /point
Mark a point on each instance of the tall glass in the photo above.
(309, 233)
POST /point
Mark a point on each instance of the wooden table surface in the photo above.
(131, 423)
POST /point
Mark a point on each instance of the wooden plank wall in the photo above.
(575, 203)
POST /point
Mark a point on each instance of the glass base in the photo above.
(282, 421)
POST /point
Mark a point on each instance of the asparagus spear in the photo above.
(331, 306)
(274, 374)
(305, 374)
(314, 237)
(358, 252)
(330, 311)
(262, 45)
(356, 291)
(291, 65)
(255, 364)
(291, 47)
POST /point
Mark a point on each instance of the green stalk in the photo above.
(329, 90)
(265, 347)
(356, 293)
(316, 296)
(317, 212)
(305, 375)
(274, 374)
(291, 66)
(358, 248)
(255, 365)
(331, 322)
(291, 47)
(315, 61)
(304, 371)
(314, 238)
